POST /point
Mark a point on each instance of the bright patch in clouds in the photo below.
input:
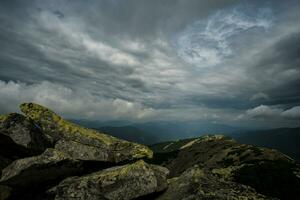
(208, 42)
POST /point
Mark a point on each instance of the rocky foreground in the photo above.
(43, 156)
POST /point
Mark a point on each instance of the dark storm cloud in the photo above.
(278, 70)
(145, 60)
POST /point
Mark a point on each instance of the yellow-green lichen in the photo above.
(66, 129)
(7, 116)
(46, 117)
(142, 151)
(118, 172)
(3, 118)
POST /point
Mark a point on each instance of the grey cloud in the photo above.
(263, 111)
(269, 112)
(293, 113)
(124, 53)
(69, 102)
(259, 96)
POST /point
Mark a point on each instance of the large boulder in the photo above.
(38, 171)
(123, 183)
(86, 144)
(19, 138)
(197, 184)
(24, 132)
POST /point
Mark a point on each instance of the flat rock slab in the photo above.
(123, 183)
(39, 170)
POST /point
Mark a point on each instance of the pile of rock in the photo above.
(46, 157)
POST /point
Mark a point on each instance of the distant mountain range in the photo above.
(286, 140)
(43, 156)
(158, 131)
(130, 133)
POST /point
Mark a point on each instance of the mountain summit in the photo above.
(46, 157)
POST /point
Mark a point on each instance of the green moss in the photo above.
(47, 117)
(53, 123)
(3, 118)
(122, 171)
(256, 150)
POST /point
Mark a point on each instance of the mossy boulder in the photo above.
(124, 182)
(197, 183)
(82, 140)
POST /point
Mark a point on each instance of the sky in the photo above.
(223, 61)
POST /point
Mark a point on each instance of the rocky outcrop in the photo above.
(218, 151)
(19, 138)
(24, 132)
(84, 164)
(197, 184)
(86, 144)
(40, 170)
(123, 183)
(268, 171)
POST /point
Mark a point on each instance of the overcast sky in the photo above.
(224, 61)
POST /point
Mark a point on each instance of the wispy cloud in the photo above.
(147, 60)
(208, 42)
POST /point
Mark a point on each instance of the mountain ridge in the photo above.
(77, 162)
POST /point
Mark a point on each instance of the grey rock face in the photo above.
(123, 183)
(39, 170)
(23, 132)
(80, 151)
(19, 138)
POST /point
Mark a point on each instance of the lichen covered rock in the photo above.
(197, 184)
(125, 182)
(268, 171)
(39, 170)
(19, 138)
(23, 132)
(82, 140)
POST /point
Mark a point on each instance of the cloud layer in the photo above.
(152, 60)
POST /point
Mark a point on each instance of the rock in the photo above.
(19, 138)
(4, 162)
(5, 192)
(124, 182)
(36, 171)
(86, 144)
(197, 184)
(10, 151)
(218, 151)
(23, 132)
(268, 171)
